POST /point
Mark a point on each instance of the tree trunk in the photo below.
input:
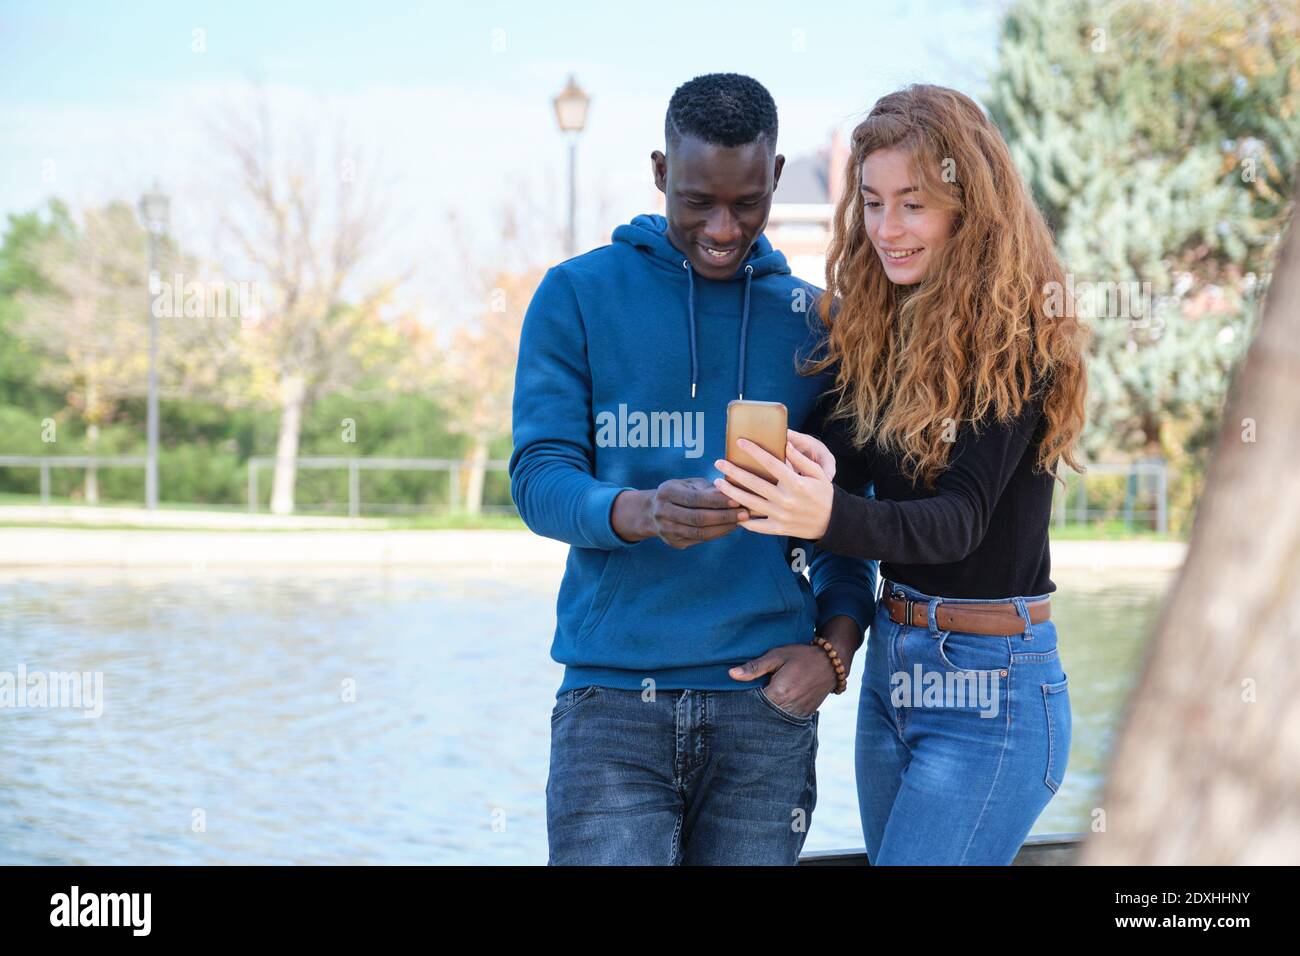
(92, 473)
(477, 469)
(292, 399)
(1207, 766)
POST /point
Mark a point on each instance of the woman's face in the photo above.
(906, 230)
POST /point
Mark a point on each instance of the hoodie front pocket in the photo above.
(784, 575)
(610, 576)
(657, 607)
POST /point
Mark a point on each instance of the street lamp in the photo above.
(571, 113)
(153, 212)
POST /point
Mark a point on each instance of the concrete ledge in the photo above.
(79, 547)
(486, 550)
(1052, 849)
(172, 518)
(1118, 555)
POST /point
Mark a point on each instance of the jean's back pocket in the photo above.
(1056, 701)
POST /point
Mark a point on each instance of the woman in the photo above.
(958, 395)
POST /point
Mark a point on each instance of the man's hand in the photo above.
(680, 512)
(802, 673)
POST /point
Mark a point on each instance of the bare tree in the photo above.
(476, 372)
(307, 219)
(91, 326)
(1207, 768)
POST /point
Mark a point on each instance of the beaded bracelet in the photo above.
(840, 673)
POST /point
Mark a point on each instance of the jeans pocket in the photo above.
(1056, 701)
(802, 719)
(571, 700)
(963, 651)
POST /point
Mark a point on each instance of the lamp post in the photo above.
(571, 113)
(153, 212)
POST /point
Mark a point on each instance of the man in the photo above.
(685, 730)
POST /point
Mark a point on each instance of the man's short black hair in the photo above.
(725, 109)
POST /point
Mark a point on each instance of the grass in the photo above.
(56, 501)
(442, 521)
(1112, 530)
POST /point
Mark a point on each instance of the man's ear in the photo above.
(659, 168)
(776, 170)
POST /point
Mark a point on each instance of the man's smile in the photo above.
(722, 255)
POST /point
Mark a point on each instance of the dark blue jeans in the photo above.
(687, 777)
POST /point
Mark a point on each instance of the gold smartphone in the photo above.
(763, 423)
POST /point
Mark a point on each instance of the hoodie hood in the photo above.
(648, 234)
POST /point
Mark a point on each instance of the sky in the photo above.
(447, 104)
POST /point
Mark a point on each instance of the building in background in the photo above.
(800, 222)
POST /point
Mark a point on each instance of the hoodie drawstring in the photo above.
(690, 308)
(744, 326)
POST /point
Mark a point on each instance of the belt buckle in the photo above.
(898, 595)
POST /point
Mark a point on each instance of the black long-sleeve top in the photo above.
(980, 532)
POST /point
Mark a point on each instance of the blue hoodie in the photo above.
(627, 361)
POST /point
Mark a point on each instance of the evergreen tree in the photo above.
(1160, 141)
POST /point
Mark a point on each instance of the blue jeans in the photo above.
(691, 777)
(962, 738)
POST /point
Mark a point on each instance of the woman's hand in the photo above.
(798, 505)
(813, 448)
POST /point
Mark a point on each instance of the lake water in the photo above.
(308, 717)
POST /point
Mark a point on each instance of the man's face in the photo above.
(717, 199)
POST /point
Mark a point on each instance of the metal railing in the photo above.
(46, 462)
(453, 466)
(1155, 470)
(1156, 473)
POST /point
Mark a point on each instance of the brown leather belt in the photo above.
(1000, 618)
